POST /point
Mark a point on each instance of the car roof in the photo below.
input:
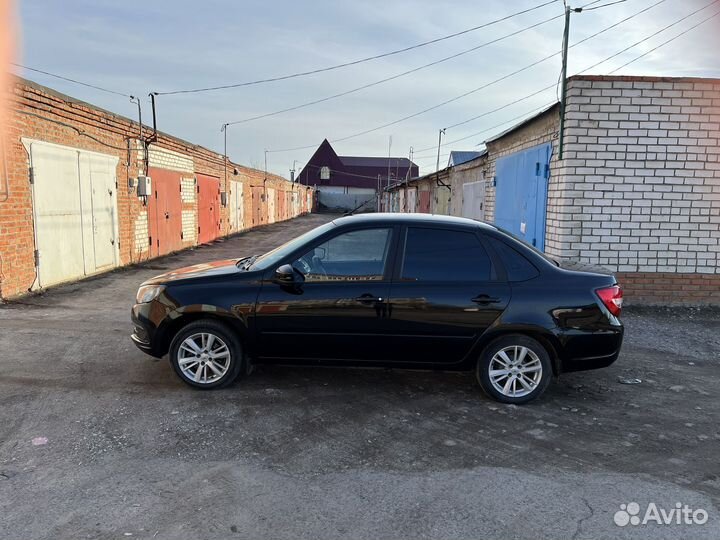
(413, 218)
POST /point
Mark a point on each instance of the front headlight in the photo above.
(148, 293)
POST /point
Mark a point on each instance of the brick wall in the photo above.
(39, 113)
(639, 184)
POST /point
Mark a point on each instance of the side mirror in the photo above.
(285, 275)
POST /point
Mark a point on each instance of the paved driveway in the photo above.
(99, 441)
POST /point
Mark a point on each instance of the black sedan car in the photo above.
(399, 290)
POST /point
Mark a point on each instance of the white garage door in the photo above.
(75, 211)
(236, 206)
(473, 201)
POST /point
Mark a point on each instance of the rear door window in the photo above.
(444, 255)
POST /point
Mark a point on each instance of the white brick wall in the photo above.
(189, 226)
(638, 189)
(169, 159)
(141, 233)
(187, 190)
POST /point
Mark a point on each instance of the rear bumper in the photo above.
(594, 350)
(144, 334)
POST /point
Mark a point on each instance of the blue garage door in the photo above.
(521, 193)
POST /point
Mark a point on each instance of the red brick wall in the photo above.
(669, 288)
(39, 113)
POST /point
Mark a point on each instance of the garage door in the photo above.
(473, 201)
(270, 201)
(424, 201)
(521, 193)
(165, 211)
(208, 208)
(411, 200)
(74, 211)
(236, 206)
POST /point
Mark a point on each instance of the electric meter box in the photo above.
(144, 186)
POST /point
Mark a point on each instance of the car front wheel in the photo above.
(206, 354)
(514, 369)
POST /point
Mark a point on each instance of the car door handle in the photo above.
(368, 299)
(485, 299)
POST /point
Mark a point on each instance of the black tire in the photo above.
(535, 354)
(235, 363)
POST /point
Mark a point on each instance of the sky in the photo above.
(137, 47)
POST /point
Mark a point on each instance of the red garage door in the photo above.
(165, 212)
(424, 201)
(208, 208)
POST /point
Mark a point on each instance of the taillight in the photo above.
(612, 298)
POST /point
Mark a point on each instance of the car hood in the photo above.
(196, 271)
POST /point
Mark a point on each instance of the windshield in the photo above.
(274, 256)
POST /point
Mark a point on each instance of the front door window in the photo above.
(351, 256)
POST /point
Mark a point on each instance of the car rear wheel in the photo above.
(514, 369)
(206, 354)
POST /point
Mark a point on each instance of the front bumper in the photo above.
(145, 333)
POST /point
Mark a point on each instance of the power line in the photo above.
(527, 114)
(346, 173)
(544, 89)
(666, 42)
(678, 21)
(397, 76)
(663, 29)
(613, 56)
(484, 86)
(359, 61)
(604, 5)
(617, 54)
(72, 80)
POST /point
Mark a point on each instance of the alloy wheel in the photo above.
(515, 371)
(203, 358)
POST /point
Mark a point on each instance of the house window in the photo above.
(325, 173)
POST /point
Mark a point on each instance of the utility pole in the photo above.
(153, 137)
(389, 154)
(379, 194)
(225, 158)
(566, 34)
(441, 132)
(266, 163)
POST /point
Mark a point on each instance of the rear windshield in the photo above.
(514, 238)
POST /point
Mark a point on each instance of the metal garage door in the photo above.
(75, 211)
(411, 200)
(424, 201)
(270, 200)
(473, 201)
(236, 206)
(257, 203)
(521, 193)
(165, 212)
(208, 208)
(97, 182)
